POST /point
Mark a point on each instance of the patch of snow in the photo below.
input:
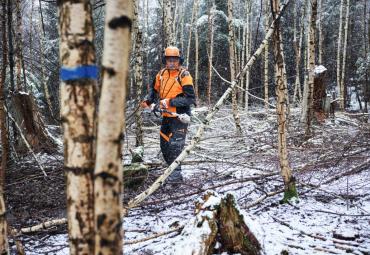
(320, 69)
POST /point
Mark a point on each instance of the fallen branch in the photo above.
(138, 199)
(41, 226)
(153, 236)
(260, 199)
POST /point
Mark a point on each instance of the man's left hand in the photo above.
(165, 103)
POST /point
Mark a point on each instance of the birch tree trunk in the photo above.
(319, 3)
(78, 85)
(298, 50)
(308, 100)
(19, 46)
(139, 86)
(339, 50)
(193, 16)
(168, 22)
(266, 58)
(232, 67)
(43, 71)
(196, 88)
(108, 174)
(343, 87)
(4, 246)
(281, 108)
(247, 52)
(11, 47)
(210, 49)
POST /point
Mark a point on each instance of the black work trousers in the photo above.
(173, 134)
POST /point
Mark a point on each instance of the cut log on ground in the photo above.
(217, 220)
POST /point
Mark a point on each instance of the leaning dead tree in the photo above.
(196, 139)
(281, 108)
(78, 86)
(108, 173)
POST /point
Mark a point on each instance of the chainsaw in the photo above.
(183, 117)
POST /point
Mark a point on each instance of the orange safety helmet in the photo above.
(172, 51)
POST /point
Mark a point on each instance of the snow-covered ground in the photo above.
(334, 210)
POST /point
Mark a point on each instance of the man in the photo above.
(174, 87)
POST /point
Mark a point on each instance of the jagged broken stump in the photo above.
(218, 227)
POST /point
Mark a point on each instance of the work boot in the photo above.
(176, 176)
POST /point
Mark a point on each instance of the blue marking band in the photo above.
(79, 72)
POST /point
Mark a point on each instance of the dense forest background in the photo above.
(39, 40)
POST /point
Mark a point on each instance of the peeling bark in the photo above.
(281, 107)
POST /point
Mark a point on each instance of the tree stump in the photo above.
(30, 121)
(235, 235)
(217, 220)
(199, 236)
(319, 93)
(134, 175)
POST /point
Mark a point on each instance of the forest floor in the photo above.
(332, 169)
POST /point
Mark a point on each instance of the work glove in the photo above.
(144, 104)
(152, 107)
(164, 103)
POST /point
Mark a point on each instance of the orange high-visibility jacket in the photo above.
(176, 85)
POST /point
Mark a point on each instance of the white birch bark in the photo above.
(247, 52)
(298, 46)
(168, 23)
(281, 108)
(232, 67)
(339, 51)
(196, 88)
(4, 245)
(193, 16)
(311, 68)
(319, 6)
(78, 118)
(343, 72)
(210, 51)
(108, 174)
